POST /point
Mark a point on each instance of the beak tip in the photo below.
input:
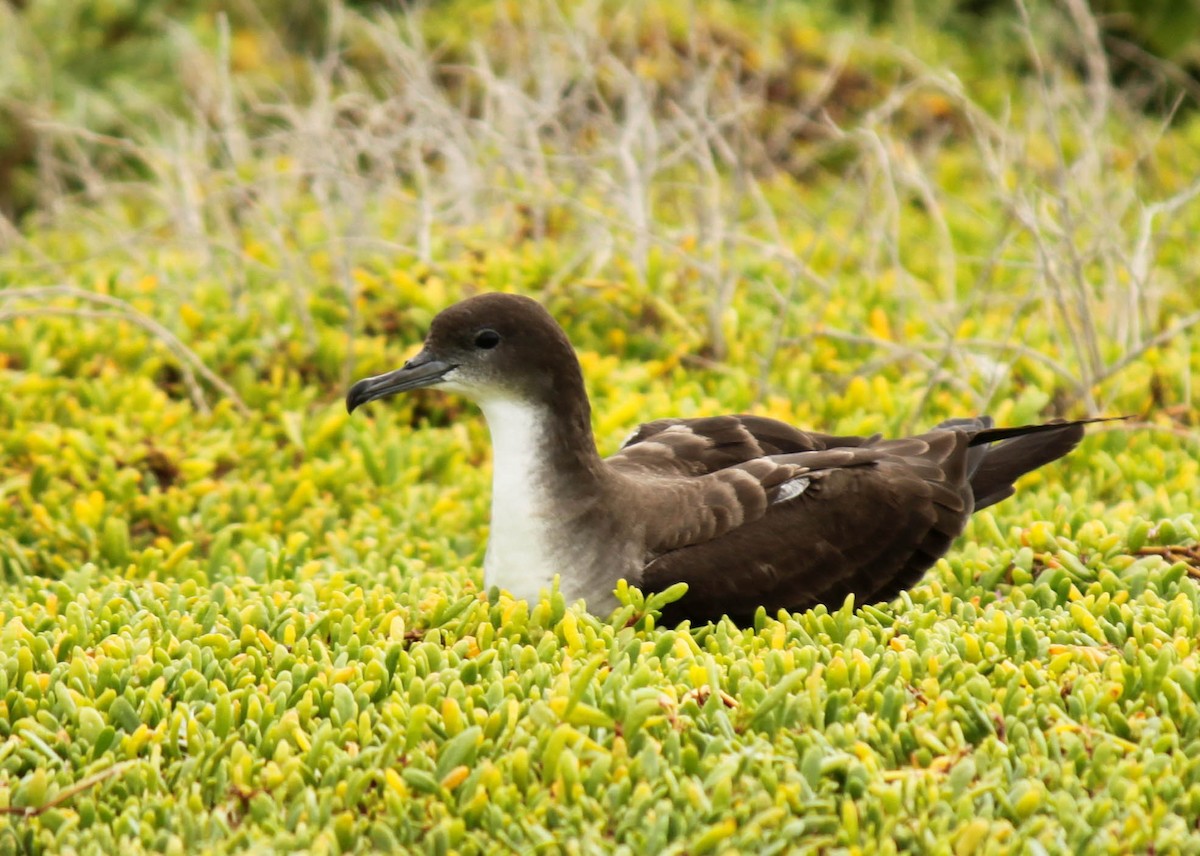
(357, 396)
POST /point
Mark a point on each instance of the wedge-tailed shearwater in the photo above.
(748, 511)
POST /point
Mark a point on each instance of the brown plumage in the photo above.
(748, 511)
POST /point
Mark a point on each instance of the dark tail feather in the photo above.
(992, 435)
(1018, 451)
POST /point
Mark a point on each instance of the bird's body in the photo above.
(748, 511)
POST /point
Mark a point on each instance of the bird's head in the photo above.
(489, 347)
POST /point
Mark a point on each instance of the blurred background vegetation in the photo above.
(78, 75)
(863, 218)
(959, 157)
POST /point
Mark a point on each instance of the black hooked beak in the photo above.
(421, 370)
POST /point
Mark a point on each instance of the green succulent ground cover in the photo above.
(234, 617)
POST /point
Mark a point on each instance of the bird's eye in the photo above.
(487, 339)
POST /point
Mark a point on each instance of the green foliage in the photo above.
(233, 617)
(366, 710)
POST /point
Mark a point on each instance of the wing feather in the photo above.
(706, 445)
(871, 521)
(777, 517)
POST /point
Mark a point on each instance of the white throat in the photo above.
(522, 554)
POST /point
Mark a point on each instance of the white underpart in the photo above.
(791, 489)
(520, 555)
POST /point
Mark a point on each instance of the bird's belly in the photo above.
(520, 559)
(527, 549)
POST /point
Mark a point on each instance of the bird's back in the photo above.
(752, 512)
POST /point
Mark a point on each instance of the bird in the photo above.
(748, 511)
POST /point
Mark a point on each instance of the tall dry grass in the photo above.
(631, 144)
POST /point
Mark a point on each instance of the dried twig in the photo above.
(1189, 555)
(189, 363)
(69, 791)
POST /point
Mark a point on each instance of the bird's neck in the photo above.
(556, 420)
(546, 476)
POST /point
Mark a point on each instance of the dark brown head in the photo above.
(490, 347)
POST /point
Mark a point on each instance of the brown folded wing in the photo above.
(705, 445)
(869, 522)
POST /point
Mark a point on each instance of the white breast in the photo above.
(521, 554)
